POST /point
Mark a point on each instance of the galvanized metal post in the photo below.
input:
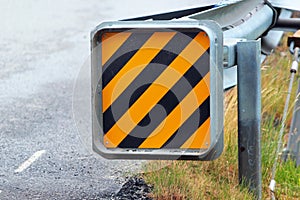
(249, 114)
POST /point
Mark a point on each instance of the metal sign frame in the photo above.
(215, 35)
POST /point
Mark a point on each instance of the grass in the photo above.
(218, 179)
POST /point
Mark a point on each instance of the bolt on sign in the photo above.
(157, 90)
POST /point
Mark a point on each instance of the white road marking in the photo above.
(30, 160)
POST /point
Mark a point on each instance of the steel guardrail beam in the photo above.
(227, 15)
(171, 15)
(286, 4)
(242, 19)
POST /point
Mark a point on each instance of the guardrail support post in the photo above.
(249, 114)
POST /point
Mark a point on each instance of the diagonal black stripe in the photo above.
(148, 75)
(140, 132)
(181, 135)
(129, 96)
(175, 95)
(115, 63)
(164, 58)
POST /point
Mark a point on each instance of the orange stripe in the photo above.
(111, 42)
(157, 90)
(200, 139)
(179, 115)
(125, 125)
(134, 67)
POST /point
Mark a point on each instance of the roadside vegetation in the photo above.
(218, 179)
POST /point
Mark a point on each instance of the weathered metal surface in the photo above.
(249, 115)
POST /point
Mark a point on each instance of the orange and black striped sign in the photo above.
(155, 88)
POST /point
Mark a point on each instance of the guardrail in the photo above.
(242, 23)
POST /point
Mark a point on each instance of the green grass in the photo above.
(219, 179)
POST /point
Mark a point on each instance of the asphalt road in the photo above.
(44, 52)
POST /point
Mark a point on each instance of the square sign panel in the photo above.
(157, 90)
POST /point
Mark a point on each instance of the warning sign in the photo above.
(154, 88)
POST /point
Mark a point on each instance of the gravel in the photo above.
(134, 188)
